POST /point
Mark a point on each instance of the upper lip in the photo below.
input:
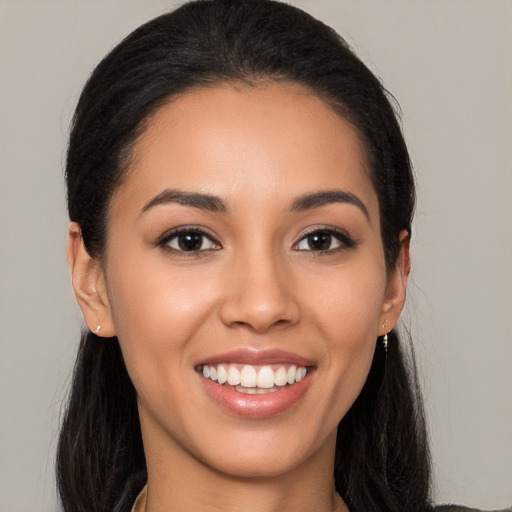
(257, 357)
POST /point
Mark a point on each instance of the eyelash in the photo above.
(341, 236)
(346, 241)
(164, 241)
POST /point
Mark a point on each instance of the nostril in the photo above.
(260, 317)
(260, 299)
(260, 325)
(282, 322)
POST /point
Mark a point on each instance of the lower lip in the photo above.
(257, 406)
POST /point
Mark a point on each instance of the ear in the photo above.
(89, 285)
(394, 299)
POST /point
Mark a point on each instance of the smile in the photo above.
(253, 379)
(256, 384)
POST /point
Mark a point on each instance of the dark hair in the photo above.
(382, 458)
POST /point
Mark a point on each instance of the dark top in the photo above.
(457, 508)
(135, 484)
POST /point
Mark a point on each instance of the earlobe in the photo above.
(89, 285)
(396, 287)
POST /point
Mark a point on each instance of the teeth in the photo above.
(281, 377)
(222, 374)
(251, 380)
(248, 377)
(256, 391)
(266, 378)
(301, 373)
(292, 371)
(233, 376)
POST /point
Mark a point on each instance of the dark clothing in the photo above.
(457, 508)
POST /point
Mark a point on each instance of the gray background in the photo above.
(449, 64)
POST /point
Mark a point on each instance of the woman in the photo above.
(241, 201)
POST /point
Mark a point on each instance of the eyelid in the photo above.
(340, 234)
(164, 239)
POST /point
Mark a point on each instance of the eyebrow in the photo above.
(194, 199)
(215, 204)
(325, 197)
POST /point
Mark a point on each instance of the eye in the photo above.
(188, 240)
(324, 240)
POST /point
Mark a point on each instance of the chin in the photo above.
(257, 464)
(265, 454)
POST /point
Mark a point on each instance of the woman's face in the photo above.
(245, 245)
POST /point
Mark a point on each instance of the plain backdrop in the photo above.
(449, 64)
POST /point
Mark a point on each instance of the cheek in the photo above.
(349, 303)
(347, 311)
(155, 312)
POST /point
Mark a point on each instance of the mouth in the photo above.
(256, 384)
(254, 379)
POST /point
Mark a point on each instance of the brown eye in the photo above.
(319, 241)
(324, 240)
(189, 241)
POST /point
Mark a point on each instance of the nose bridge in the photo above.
(260, 294)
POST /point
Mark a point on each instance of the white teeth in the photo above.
(265, 380)
(301, 373)
(248, 377)
(265, 377)
(291, 374)
(222, 375)
(281, 377)
(256, 391)
(233, 376)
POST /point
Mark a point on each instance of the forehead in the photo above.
(245, 141)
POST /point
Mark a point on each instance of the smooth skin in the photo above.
(256, 279)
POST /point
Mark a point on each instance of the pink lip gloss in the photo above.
(256, 406)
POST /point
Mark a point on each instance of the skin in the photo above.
(258, 284)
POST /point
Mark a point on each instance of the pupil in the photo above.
(190, 241)
(319, 241)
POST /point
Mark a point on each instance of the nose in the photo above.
(260, 295)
